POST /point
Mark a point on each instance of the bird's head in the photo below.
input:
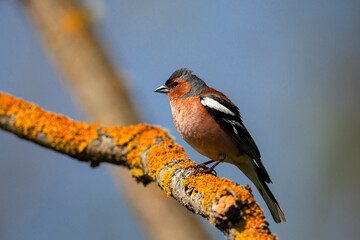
(182, 84)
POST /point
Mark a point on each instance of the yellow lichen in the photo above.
(64, 134)
(212, 187)
(245, 231)
(138, 139)
(10, 105)
(165, 181)
(251, 226)
(123, 135)
(143, 137)
(137, 173)
(159, 156)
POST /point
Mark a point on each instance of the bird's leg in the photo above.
(221, 158)
(211, 169)
(202, 165)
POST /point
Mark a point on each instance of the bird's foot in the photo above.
(202, 168)
(197, 166)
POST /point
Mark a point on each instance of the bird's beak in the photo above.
(162, 89)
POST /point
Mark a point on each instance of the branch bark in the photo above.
(151, 155)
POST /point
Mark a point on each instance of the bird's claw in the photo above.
(198, 166)
(201, 168)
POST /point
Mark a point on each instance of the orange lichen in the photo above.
(138, 139)
(212, 187)
(143, 137)
(227, 192)
(159, 156)
(10, 105)
(165, 180)
(123, 135)
(142, 142)
(137, 173)
(246, 231)
(64, 134)
(253, 224)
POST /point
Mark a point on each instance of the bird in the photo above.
(211, 124)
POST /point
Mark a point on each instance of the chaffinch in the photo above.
(208, 121)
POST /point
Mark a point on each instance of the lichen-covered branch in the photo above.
(151, 155)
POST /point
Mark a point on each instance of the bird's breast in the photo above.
(200, 130)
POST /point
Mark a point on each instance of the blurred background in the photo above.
(292, 67)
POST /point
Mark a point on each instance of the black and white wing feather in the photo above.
(228, 117)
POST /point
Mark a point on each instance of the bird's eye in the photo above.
(174, 84)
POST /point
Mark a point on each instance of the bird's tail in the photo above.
(252, 173)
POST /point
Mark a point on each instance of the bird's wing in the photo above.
(227, 115)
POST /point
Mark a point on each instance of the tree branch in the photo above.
(151, 155)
